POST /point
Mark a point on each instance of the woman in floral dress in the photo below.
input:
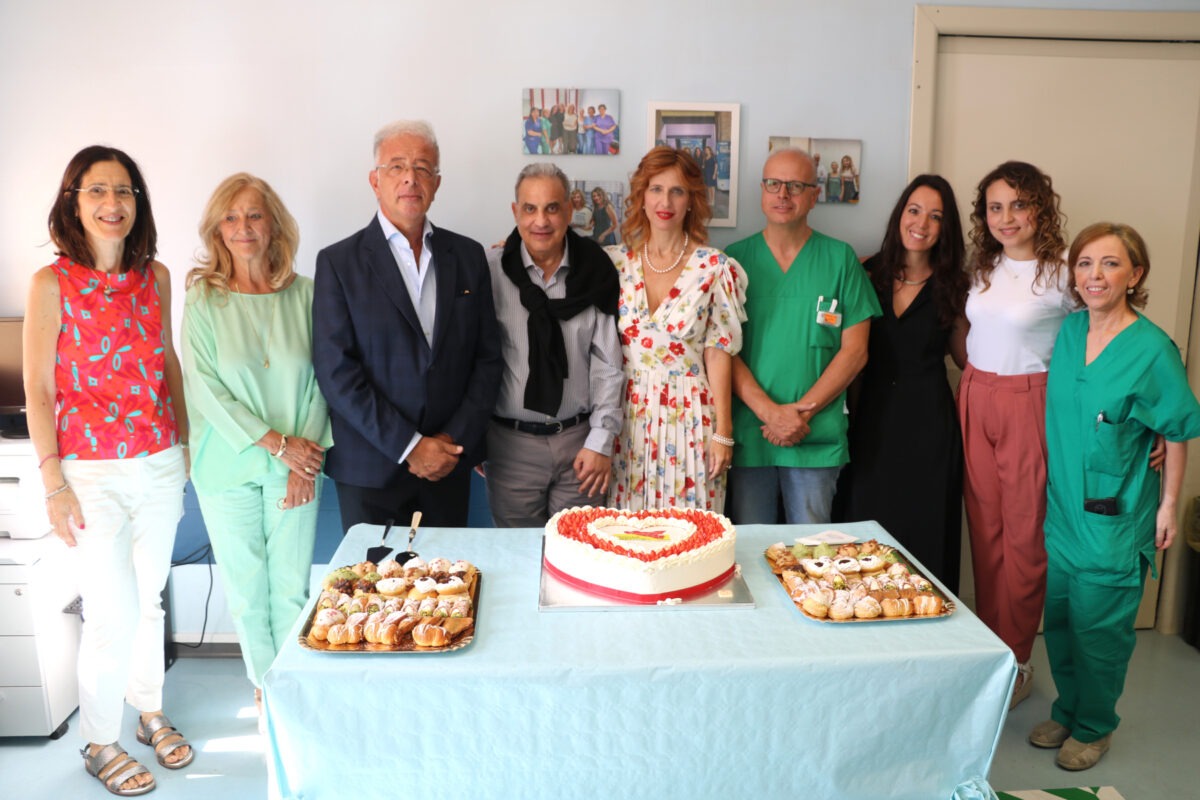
(680, 324)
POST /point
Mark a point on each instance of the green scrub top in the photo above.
(232, 398)
(1101, 420)
(786, 348)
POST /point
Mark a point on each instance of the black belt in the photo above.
(541, 428)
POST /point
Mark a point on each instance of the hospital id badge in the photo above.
(827, 313)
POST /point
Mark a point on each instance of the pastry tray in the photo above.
(946, 598)
(554, 595)
(408, 646)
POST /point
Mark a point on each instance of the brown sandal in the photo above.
(108, 766)
(156, 732)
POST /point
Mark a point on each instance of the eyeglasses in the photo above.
(396, 171)
(98, 191)
(773, 185)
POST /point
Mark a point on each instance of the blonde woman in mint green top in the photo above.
(259, 423)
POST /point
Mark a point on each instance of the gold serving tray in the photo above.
(946, 611)
(408, 645)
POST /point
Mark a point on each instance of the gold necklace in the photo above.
(270, 328)
(664, 270)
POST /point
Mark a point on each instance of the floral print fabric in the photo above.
(659, 459)
(111, 394)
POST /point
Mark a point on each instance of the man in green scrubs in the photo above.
(809, 304)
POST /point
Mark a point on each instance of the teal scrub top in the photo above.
(787, 350)
(1101, 420)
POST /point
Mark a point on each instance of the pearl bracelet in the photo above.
(282, 445)
(725, 440)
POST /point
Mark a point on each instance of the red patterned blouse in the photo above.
(111, 398)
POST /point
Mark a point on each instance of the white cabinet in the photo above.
(22, 496)
(39, 644)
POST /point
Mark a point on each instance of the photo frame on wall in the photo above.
(711, 133)
(583, 122)
(597, 209)
(839, 165)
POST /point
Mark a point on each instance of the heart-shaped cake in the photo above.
(642, 556)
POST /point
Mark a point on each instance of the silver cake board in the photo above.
(554, 595)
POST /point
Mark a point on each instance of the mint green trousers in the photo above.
(264, 555)
(1089, 639)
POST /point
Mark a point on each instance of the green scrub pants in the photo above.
(264, 555)
(1089, 639)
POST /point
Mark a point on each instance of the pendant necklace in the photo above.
(664, 270)
(270, 329)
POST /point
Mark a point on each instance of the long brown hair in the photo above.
(1035, 188)
(949, 281)
(635, 229)
(66, 230)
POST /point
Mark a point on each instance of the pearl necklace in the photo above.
(270, 328)
(664, 270)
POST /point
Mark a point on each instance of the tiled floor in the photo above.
(1154, 754)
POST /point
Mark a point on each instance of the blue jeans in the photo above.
(807, 494)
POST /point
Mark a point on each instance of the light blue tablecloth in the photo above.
(675, 703)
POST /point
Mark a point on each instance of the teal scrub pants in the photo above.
(1089, 639)
(264, 555)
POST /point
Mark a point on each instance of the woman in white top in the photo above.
(1016, 304)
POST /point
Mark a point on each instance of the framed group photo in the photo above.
(583, 122)
(839, 165)
(709, 132)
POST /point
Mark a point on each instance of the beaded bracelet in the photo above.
(282, 445)
(725, 440)
(46, 458)
(59, 490)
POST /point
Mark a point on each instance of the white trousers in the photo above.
(131, 508)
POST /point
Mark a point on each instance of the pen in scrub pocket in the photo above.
(1100, 420)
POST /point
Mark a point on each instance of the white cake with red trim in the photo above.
(642, 556)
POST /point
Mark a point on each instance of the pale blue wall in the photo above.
(294, 90)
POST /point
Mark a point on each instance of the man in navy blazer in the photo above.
(406, 348)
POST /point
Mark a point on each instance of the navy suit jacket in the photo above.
(382, 380)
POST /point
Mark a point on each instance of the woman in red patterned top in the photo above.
(106, 415)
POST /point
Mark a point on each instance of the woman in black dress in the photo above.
(905, 446)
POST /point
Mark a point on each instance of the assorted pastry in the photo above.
(413, 605)
(856, 581)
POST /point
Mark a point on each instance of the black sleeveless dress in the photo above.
(906, 457)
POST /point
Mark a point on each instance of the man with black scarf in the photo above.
(551, 437)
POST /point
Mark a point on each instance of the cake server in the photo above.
(408, 554)
(380, 551)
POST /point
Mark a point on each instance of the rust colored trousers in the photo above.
(1004, 487)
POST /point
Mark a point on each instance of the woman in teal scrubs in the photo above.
(1116, 380)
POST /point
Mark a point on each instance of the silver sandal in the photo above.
(154, 733)
(110, 769)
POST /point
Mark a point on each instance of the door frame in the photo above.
(931, 22)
